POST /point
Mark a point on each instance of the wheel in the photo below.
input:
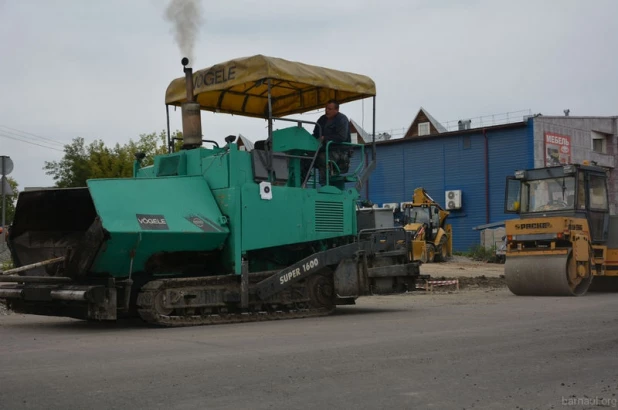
(579, 277)
(442, 251)
(321, 289)
(159, 304)
(431, 252)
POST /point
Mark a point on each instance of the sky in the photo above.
(99, 69)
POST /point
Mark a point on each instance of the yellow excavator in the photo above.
(425, 219)
(564, 242)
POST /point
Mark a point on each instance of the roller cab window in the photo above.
(551, 194)
(598, 193)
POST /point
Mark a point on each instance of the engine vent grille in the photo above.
(328, 216)
(169, 166)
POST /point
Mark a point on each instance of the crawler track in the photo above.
(294, 304)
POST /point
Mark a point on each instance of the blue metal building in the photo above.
(475, 161)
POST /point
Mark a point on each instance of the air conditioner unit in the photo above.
(391, 205)
(452, 199)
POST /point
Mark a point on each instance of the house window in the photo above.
(423, 128)
(599, 142)
(467, 143)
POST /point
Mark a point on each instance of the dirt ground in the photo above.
(471, 274)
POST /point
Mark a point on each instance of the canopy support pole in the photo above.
(270, 111)
(270, 133)
(170, 144)
(373, 144)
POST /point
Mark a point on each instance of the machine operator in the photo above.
(333, 126)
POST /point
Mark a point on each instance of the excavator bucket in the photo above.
(419, 251)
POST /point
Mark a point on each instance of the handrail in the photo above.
(360, 165)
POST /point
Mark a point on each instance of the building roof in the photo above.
(455, 133)
(366, 137)
(246, 142)
(424, 116)
(433, 121)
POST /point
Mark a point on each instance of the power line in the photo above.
(29, 142)
(16, 131)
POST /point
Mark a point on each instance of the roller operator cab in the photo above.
(215, 233)
(565, 239)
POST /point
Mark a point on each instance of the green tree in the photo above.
(96, 160)
(10, 202)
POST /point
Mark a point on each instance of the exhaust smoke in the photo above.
(186, 19)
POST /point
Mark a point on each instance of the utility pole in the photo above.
(6, 166)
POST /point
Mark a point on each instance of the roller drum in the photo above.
(544, 275)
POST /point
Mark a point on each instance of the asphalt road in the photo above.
(475, 349)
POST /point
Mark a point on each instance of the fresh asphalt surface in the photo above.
(472, 349)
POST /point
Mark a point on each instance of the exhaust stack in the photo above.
(191, 115)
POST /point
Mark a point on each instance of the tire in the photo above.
(441, 250)
(431, 252)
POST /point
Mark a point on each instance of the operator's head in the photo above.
(332, 108)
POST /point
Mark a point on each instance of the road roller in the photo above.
(565, 242)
